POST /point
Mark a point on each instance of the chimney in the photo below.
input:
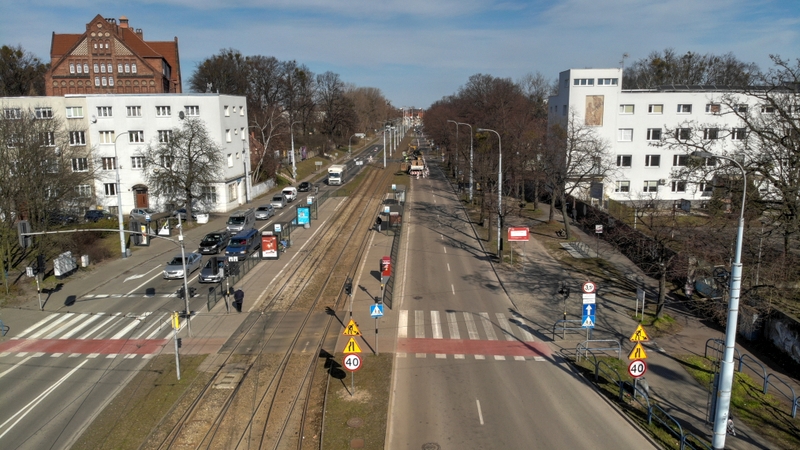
(123, 22)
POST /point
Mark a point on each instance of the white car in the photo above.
(290, 193)
(174, 268)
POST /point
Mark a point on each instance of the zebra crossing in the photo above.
(493, 335)
(93, 335)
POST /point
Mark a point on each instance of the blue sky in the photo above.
(418, 51)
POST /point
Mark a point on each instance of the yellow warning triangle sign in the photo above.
(639, 335)
(352, 346)
(351, 329)
(637, 352)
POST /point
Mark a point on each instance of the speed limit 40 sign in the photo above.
(637, 368)
(352, 362)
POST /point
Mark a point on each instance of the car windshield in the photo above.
(277, 198)
(262, 208)
(236, 220)
(176, 261)
(238, 241)
(212, 238)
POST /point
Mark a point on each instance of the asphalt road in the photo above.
(469, 372)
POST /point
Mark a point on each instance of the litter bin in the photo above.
(84, 260)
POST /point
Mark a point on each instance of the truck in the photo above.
(336, 174)
(416, 167)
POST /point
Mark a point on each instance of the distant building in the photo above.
(114, 130)
(111, 58)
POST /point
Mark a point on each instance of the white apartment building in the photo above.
(115, 128)
(631, 121)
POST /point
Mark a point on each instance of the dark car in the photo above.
(305, 186)
(215, 242)
(93, 215)
(60, 218)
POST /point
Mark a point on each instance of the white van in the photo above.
(290, 193)
(241, 220)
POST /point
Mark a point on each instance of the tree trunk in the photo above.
(565, 218)
(662, 292)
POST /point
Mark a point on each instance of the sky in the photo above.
(419, 51)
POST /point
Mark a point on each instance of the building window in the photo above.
(110, 67)
(652, 160)
(137, 162)
(136, 136)
(655, 109)
(13, 113)
(227, 135)
(227, 111)
(106, 137)
(624, 160)
(127, 68)
(85, 69)
(83, 190)
(12, 140)
(97, 68)
(97, 81)
(623, 186)
(104, 81)
(242, 133)
(230, 160)
(167, 161)
(739, 134)
(583, 82)
(133, 68)
(77, 138)
(80, 164)
(680, 160)
(713, 108)
(625, 134)
(607, 81)
(741, 108)
(650, 186)
(110, 189)
(103, 111)
(109, 163)
(72, 68)
(134, 111)
(767, 109)
(706, 188)
(654, 134)
(192, 110)
(233, 192)
(626, 109)
(110, 81)
(209, 194)
(678, 186)
(43, 113)
(711, 133)
(47, 139)
(162, 111)
(80, 69)
(241, 111)
(164, 136)
(683, 134)
(684, 109)
(119, 68)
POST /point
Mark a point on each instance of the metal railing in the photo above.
(217, 292)
(563, 327)
(587, 347)
(3, 328)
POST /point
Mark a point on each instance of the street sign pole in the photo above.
(175, 325)
(376, 337)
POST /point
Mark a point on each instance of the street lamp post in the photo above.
(119, 201)
(499, 190)
(294, 166)
(726, 370)
(385, 128)
(456, 149)
(470, 159)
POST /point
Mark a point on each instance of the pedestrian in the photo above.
(238, 299)
(378, 223)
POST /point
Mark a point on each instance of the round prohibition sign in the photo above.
(589, 287)
(637, 368)
(351, 362)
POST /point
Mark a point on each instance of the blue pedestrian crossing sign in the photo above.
(587, 318)
(376, 310)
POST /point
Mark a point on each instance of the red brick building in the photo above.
(112, 58)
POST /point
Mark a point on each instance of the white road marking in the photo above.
(453, 325)
(154, 323)
(487, 326)
(436, 325)
(503, 321)
(445, 250)
(480, 414)
(453, 288)
(472, 330)
(499, 358)
(140, 275)
(29, 407)
(56, 355)
(459, 356)
(526, 336)
(419, 324)
(422, 355)
(57, 330)
(441, 356)
(51, 326)
(2, 374)
(519, 358)
(35, 326)
(98, 327)
(448, 267)
(402, 324)
(83, 325)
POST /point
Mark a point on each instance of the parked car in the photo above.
(141, 214)
(278, 201)
(174, 268)
(61, 218)
(213, 271)
(93, 215)
(305, 186)
(215, 242)
(264, 212)
(182, 213)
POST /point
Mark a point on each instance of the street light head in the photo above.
(482, 130)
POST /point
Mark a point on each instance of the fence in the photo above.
(767, 379)
(235, 273)
(586, 346)
(563, 327)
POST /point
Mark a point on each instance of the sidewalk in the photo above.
(533, 289)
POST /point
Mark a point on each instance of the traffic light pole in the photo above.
(175, 326)
(186, 292)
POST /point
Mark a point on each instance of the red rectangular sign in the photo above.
(518, 234)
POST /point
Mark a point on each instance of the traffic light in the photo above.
(24, 227)
(180, 342)
(192, 292)
(40, 267)
(348, 287)
(181, 292)
(136, 236)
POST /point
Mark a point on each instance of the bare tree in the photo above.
(183, 166)
(667, 68)
(21, 73)
(225, 73)
(337, 111)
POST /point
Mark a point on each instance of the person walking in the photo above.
(378, 223)
(238, 299)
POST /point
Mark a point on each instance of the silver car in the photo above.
(265, 212)
(142, 214)
(174, 268)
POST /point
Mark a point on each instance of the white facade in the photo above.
(110, 119)
(631, 121)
